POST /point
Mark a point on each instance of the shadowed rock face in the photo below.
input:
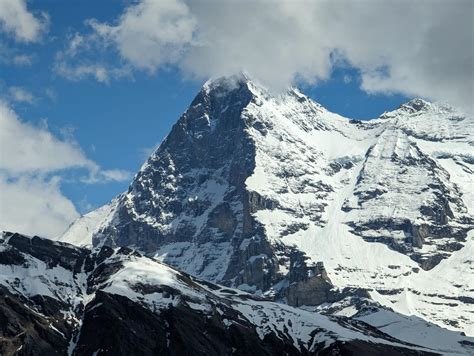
(52, 253)
(122, 303)
(192, 189)
(26, 332)
(176, 331)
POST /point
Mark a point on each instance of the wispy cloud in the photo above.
(77, 60)
(105, 176)
(21, 95)
(85, 206)
(146, 152)
(23, 60)
(13, 56)
(51, 94)
(76, 72)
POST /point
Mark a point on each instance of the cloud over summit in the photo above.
(418, 48)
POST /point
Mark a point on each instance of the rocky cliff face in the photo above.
(57, 299)
(245, 179)
(189, 201)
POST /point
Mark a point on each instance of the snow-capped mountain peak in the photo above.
(259, 191)
(416, 105)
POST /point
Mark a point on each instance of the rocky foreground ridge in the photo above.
(59, 299)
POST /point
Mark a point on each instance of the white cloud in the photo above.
(21, 95)
(25, 148)
(135, 31)
(34, 206)
(30, 149)
(30, 200)
(164, 27)
(422, 48)
(17, 20)
(419, 48)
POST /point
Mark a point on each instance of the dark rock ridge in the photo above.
(208, 154)
(121, 303)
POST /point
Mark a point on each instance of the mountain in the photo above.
(277, 196)
(59, 299)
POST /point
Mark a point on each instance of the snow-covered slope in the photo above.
(60, 299)
(80, 232)
(254, 191)
(412, 329)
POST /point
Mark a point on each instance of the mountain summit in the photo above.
(277, 196)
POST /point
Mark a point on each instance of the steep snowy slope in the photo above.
(60, 299)
(80, 232)
(254, 191)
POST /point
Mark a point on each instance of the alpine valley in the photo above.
(264, 225)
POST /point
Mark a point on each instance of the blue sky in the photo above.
(115, 121)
